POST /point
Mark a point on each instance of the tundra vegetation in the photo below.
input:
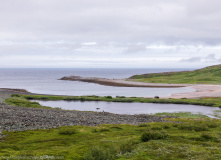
(23, 100)
(186, 136)
(192, 137)
(208, 75)
(197, 138)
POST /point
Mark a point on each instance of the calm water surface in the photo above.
(45, 81)
(129, 108)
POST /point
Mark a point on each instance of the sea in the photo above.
(46, 81)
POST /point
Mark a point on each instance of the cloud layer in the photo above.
(102, 33)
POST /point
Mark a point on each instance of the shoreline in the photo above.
(201, 90)
(121, 82)
(15, 118)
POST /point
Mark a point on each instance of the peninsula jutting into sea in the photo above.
(110, 80)
(23, 112)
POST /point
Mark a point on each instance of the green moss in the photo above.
(22, 102)
(197, 138)
(182, 114)
(125, 142)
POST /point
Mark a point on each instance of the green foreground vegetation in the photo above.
(23, 100)
(192, 137)
(208, 75)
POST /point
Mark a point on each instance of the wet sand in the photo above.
(200, 91)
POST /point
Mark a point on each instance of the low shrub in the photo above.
(82, 99)
(212, 124)
(166, 127)
(193, 127)
(67, 131)
(29, 97)
(120, 97)
(175, 125)
(93, 96)
(44, 98)
(122, 100)
(15, 95)
(207, 137)
(116, 127)
(143, 125)
(69, 99)
(101, 153)
(156, 128)
(100, 129)
(127, 146)
(153, 135)
(108, 97)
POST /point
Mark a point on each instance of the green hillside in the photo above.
(208, 75)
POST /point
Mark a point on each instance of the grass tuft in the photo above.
(68, 131)
(153, 135)
(101, 153)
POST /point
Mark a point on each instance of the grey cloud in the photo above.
(135, 48)
(58, 28)
(211, 58)
(151, 21)
(192, 59)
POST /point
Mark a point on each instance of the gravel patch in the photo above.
(15, 118)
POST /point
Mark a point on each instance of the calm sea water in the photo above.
(45, 81)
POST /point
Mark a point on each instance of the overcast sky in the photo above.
(110, 33)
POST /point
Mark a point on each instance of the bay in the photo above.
(46, 81)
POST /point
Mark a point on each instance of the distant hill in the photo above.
(208, 75)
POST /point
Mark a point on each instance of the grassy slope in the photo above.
(193, 139)
(208, 75)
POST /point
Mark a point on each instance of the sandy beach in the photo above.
(200, 90)
(19, 118)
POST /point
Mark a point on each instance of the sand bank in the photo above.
(201, 90)
(121, 82)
